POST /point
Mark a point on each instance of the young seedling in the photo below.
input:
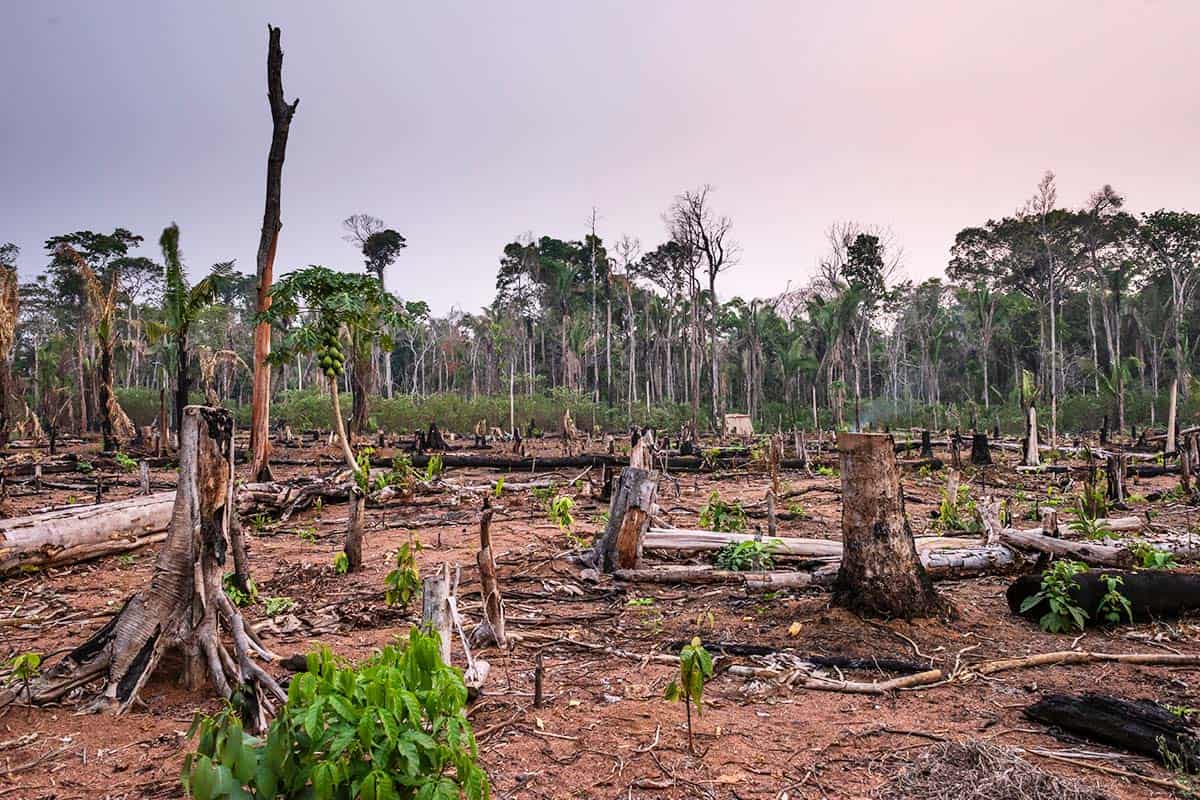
(722, 516)
(1113, 605)
(695, 668)
(25, 669)
(1057, 582)
(341, 563)
(274, 606)
(404, 582)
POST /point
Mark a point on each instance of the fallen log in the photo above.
(1140, 726)
(687, 539)
(1087, 552)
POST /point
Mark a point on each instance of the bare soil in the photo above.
(604, 730)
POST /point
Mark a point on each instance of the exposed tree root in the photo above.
(184, 608)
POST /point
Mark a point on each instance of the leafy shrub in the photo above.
(390, 728)
(275, 606)
(433, 467)
(1057, 583)
(747, 555)
(126, 463)
(341, 563)
(958, 513)
(1086, 525)
(719, 515)
(1150, 557)
(1113, 604)
(560, 511)
(236, 595)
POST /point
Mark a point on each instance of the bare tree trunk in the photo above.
(281, 121)
(881, 573)
(1169, 445)
(491, 628)
(184, 608)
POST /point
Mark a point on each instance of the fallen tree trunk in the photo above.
(1087, 552)
(685, 539)
(1140, 726)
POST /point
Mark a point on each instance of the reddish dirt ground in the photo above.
(604, 730)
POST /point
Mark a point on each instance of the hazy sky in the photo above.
(464, 125)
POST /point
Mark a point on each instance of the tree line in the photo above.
(1094, 306)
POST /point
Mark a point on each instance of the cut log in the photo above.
(686, 539)
(1087, 552)
(1140, 726)
(628, 520)
(880, 573)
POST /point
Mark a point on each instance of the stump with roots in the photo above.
(184, 608)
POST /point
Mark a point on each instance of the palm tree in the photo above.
(182, 306)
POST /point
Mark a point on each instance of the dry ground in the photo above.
(604, 731)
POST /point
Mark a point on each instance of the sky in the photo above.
(464, 125)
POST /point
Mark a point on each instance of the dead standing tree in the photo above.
(281, 121)
(184, 607)
(8, 323)
(881, 574)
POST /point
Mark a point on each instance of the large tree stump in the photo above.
(184, 608)
(354, 529)
(491, 628)
(981, 454)
(926, 445)
(628, 520)
(435, 609)
(1114, 468)
(881, 573)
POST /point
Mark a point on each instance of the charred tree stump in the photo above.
(1140, 726)
(1114, 467)
(1104, 431)
(491, 628)
(926, 445)
(880, 573)
(434, 439)
(628, 520)
(981, 454)
(956, 451)
(184, 608)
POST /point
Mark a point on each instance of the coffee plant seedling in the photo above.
(721, 516)
(499, 490)
(958, 513)
(404, 581)
(393, 727)
(695, 668)
(237, 596)
(434, 467)
(126, 463)
(1150, 557)
(1057, 582)
(1113, 605)
(560, 512)
(274, 606)
(341, 563)
(1084, 524)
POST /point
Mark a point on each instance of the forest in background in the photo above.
(1090, 311)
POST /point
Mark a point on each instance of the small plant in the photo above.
(362, 472)
(274, 606)
(1113, 604)
(695, 668)
(404, 582)
(341, 563)
(24, 669)
(1057, 582)
(958, 513)
(127, 560)
(1134, 498)
(797, 510)
(240, 598)
(719, 515)
(258, 522)
(318, 505)
(640, 602)
(560, 512)
(748, 555)
(126, 463)
(542, 495)
(826, 471)
(1088, 526)
(84, 466)
(392, 727)
(499, 488)
(307, 535)
(1150, 557)
(434, 467)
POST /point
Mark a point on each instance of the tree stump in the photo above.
(1169, 444)
(491, 628)
(1031, 456)
(1114, 466)
(926, 445)
(354, 529)
(184, 608)
(880, 573)
(981, 454)
(628, 520)
(435, 609)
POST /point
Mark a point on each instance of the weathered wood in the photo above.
(628, 519)
(1030, 456)
(435, 609)
(1140, 726)
(1087, 552)
(880, 571)
(687, 539)
(1115, 466)
(1169, 441)
(981, 454)
(354, 529)
(491, 627)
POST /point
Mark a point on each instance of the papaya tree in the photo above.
(337, 312)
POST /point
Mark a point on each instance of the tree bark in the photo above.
(1031, 456)
(1169, 445)
(881, 573)
(281, 120)
(491, 628)
(435, 609)
(184, 608)
(981, 454)
(628, 519)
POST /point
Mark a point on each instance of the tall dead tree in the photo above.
(8, 324)
(880, 574)
(185, 607)
(281, 121)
